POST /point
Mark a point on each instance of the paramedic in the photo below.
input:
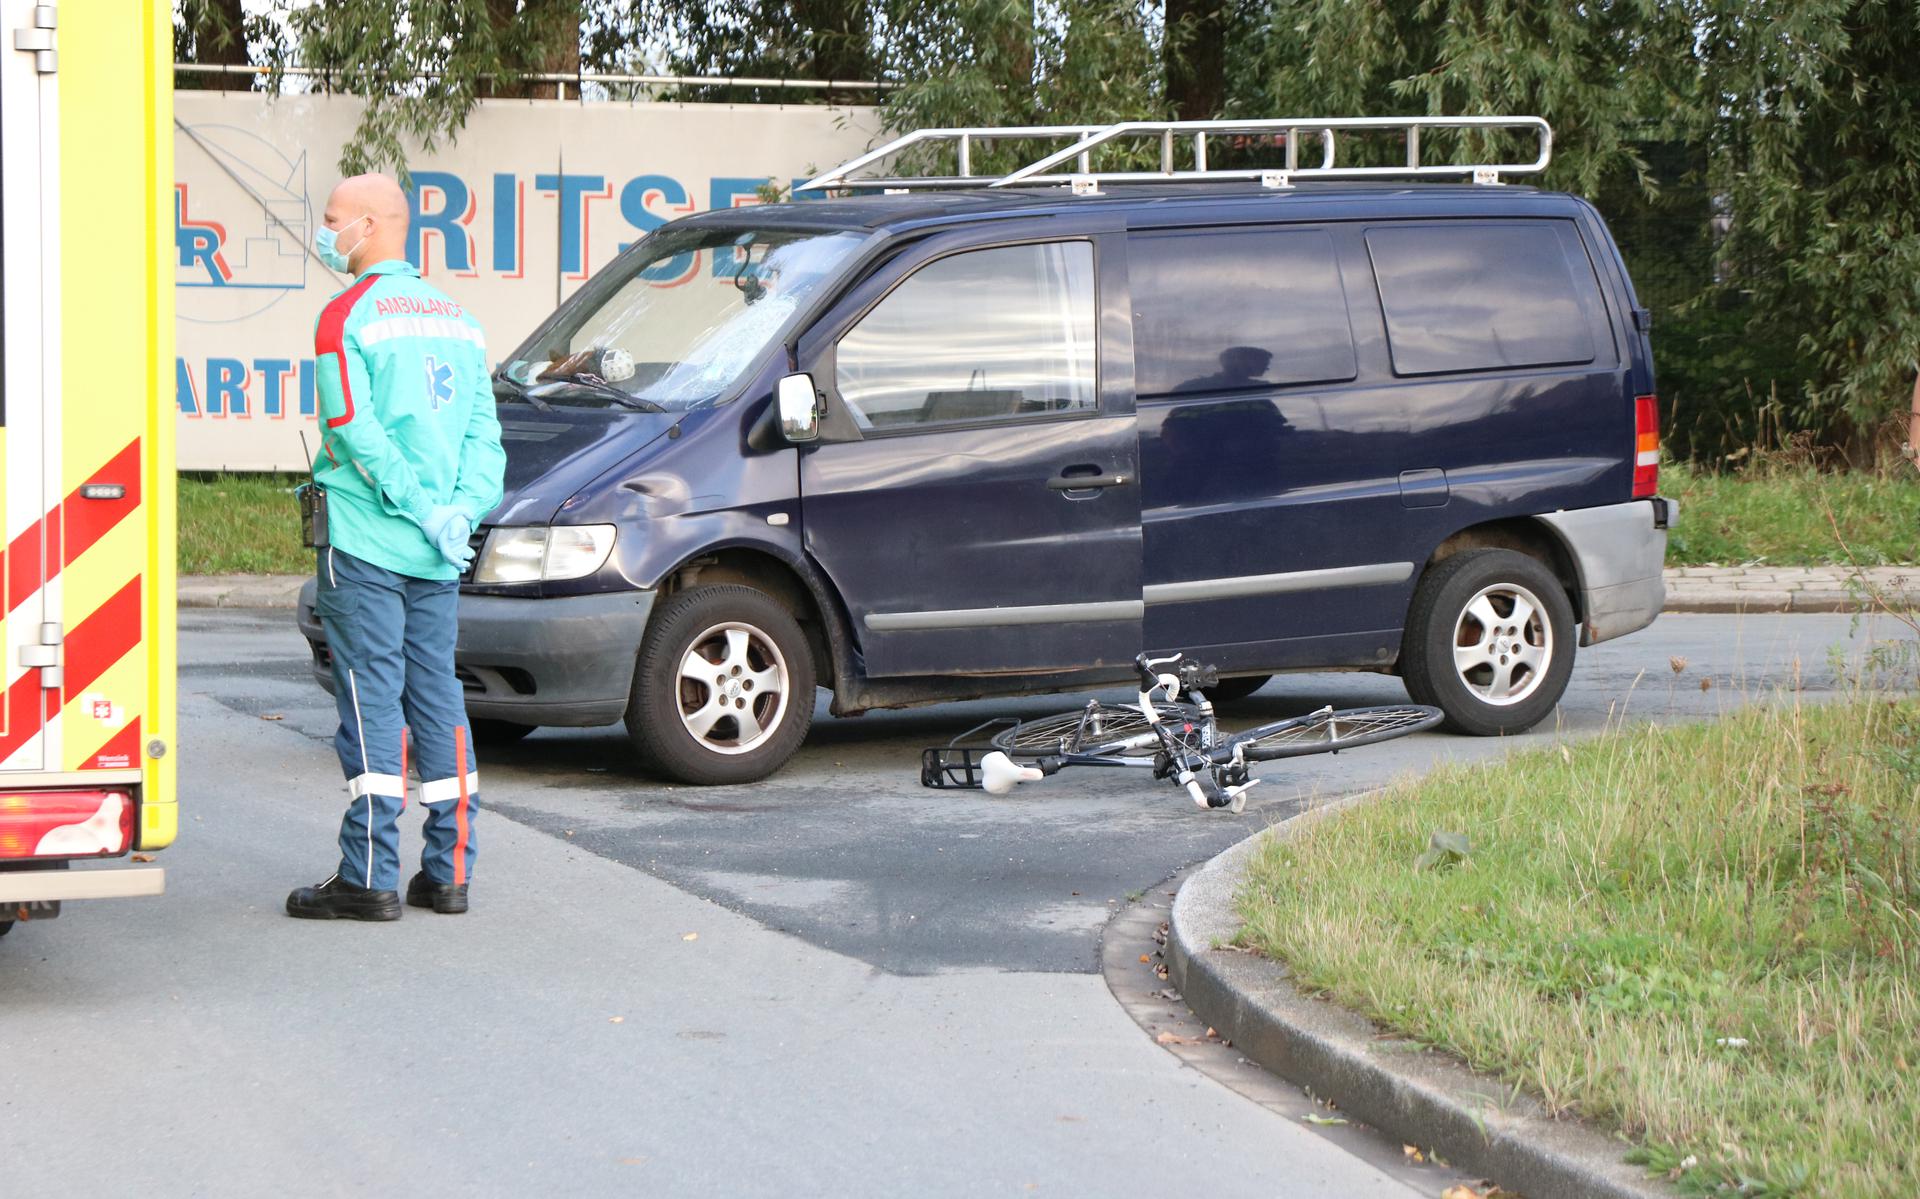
(410, 462)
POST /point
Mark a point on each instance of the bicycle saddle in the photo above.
(999, 775)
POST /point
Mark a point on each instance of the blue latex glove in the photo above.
(448, 528)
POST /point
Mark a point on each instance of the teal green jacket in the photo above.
(406, 417)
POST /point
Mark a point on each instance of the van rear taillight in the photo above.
(65, 824)
(1646, 447)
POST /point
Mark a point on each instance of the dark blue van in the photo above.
(959, 443)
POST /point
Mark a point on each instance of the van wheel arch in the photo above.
(1522, 535)
(816, 610)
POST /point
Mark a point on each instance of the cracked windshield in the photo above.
(676, 325)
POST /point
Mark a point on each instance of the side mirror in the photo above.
(799, 412)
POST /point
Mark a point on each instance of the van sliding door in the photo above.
(1266, 487)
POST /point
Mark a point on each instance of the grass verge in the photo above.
(241, 524)
(1778, 515)
(1706, 937)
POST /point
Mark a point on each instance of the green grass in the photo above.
(241, 524)
(1626, 905)
(1778, 515)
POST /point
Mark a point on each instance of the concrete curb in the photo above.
(239, 591)
(1762, 599)
(1420, 1096)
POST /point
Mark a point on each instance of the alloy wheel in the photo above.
(734, 688)
(1502, 643)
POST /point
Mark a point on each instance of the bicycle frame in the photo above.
(1213, 769)
(1210, 782)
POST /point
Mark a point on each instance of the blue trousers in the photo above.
(392, 639)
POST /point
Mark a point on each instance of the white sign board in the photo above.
(532, 198)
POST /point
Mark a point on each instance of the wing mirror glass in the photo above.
(799, 412)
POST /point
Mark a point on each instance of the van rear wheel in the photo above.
(1489, 641)
(723, 692)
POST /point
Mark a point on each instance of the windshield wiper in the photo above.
(604, 390)
(520, 392)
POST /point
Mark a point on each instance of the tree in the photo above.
(1811, 112)
(537, 37)
(422, 64)
(213, 32)
(1001, 63)
(1602, 73)
(827, 40)
(1194, 57)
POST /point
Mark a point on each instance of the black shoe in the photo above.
(449, 899)
(337, 899)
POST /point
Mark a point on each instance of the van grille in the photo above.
(495, 680)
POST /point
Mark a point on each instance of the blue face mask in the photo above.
(324, 240)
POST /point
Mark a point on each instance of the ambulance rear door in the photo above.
(29, 389)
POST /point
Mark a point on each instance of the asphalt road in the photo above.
(832, 982)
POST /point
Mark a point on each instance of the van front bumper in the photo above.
(562, 661)
(1619, 552)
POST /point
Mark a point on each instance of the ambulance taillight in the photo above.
(44, 825)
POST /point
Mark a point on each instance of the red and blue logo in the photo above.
(199, 244)
(241, 224)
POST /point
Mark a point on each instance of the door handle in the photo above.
(1067, 482)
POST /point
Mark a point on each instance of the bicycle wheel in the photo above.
(1115, 730)
(1326, 732)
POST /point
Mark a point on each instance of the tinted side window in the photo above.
(1480, 297)
(1232, 310)
(985, 335)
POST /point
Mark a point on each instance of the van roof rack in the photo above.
(1084, 139)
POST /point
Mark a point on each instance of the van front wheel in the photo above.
(723, 690)
(1489, 642)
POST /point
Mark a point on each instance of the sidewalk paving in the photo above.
(1788, 588)
(1689, 589)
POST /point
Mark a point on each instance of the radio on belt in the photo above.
(313, 514)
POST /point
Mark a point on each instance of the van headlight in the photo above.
(528, 555)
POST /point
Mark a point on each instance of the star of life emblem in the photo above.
(439, 383)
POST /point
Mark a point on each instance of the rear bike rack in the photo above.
(955, 766)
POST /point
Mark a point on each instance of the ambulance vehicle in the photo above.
(87, 732)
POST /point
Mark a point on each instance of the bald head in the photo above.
(370, 214)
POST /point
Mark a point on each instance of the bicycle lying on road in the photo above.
(1176, 739)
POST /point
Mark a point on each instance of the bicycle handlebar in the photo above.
(1150, 669)
(1190, 676)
